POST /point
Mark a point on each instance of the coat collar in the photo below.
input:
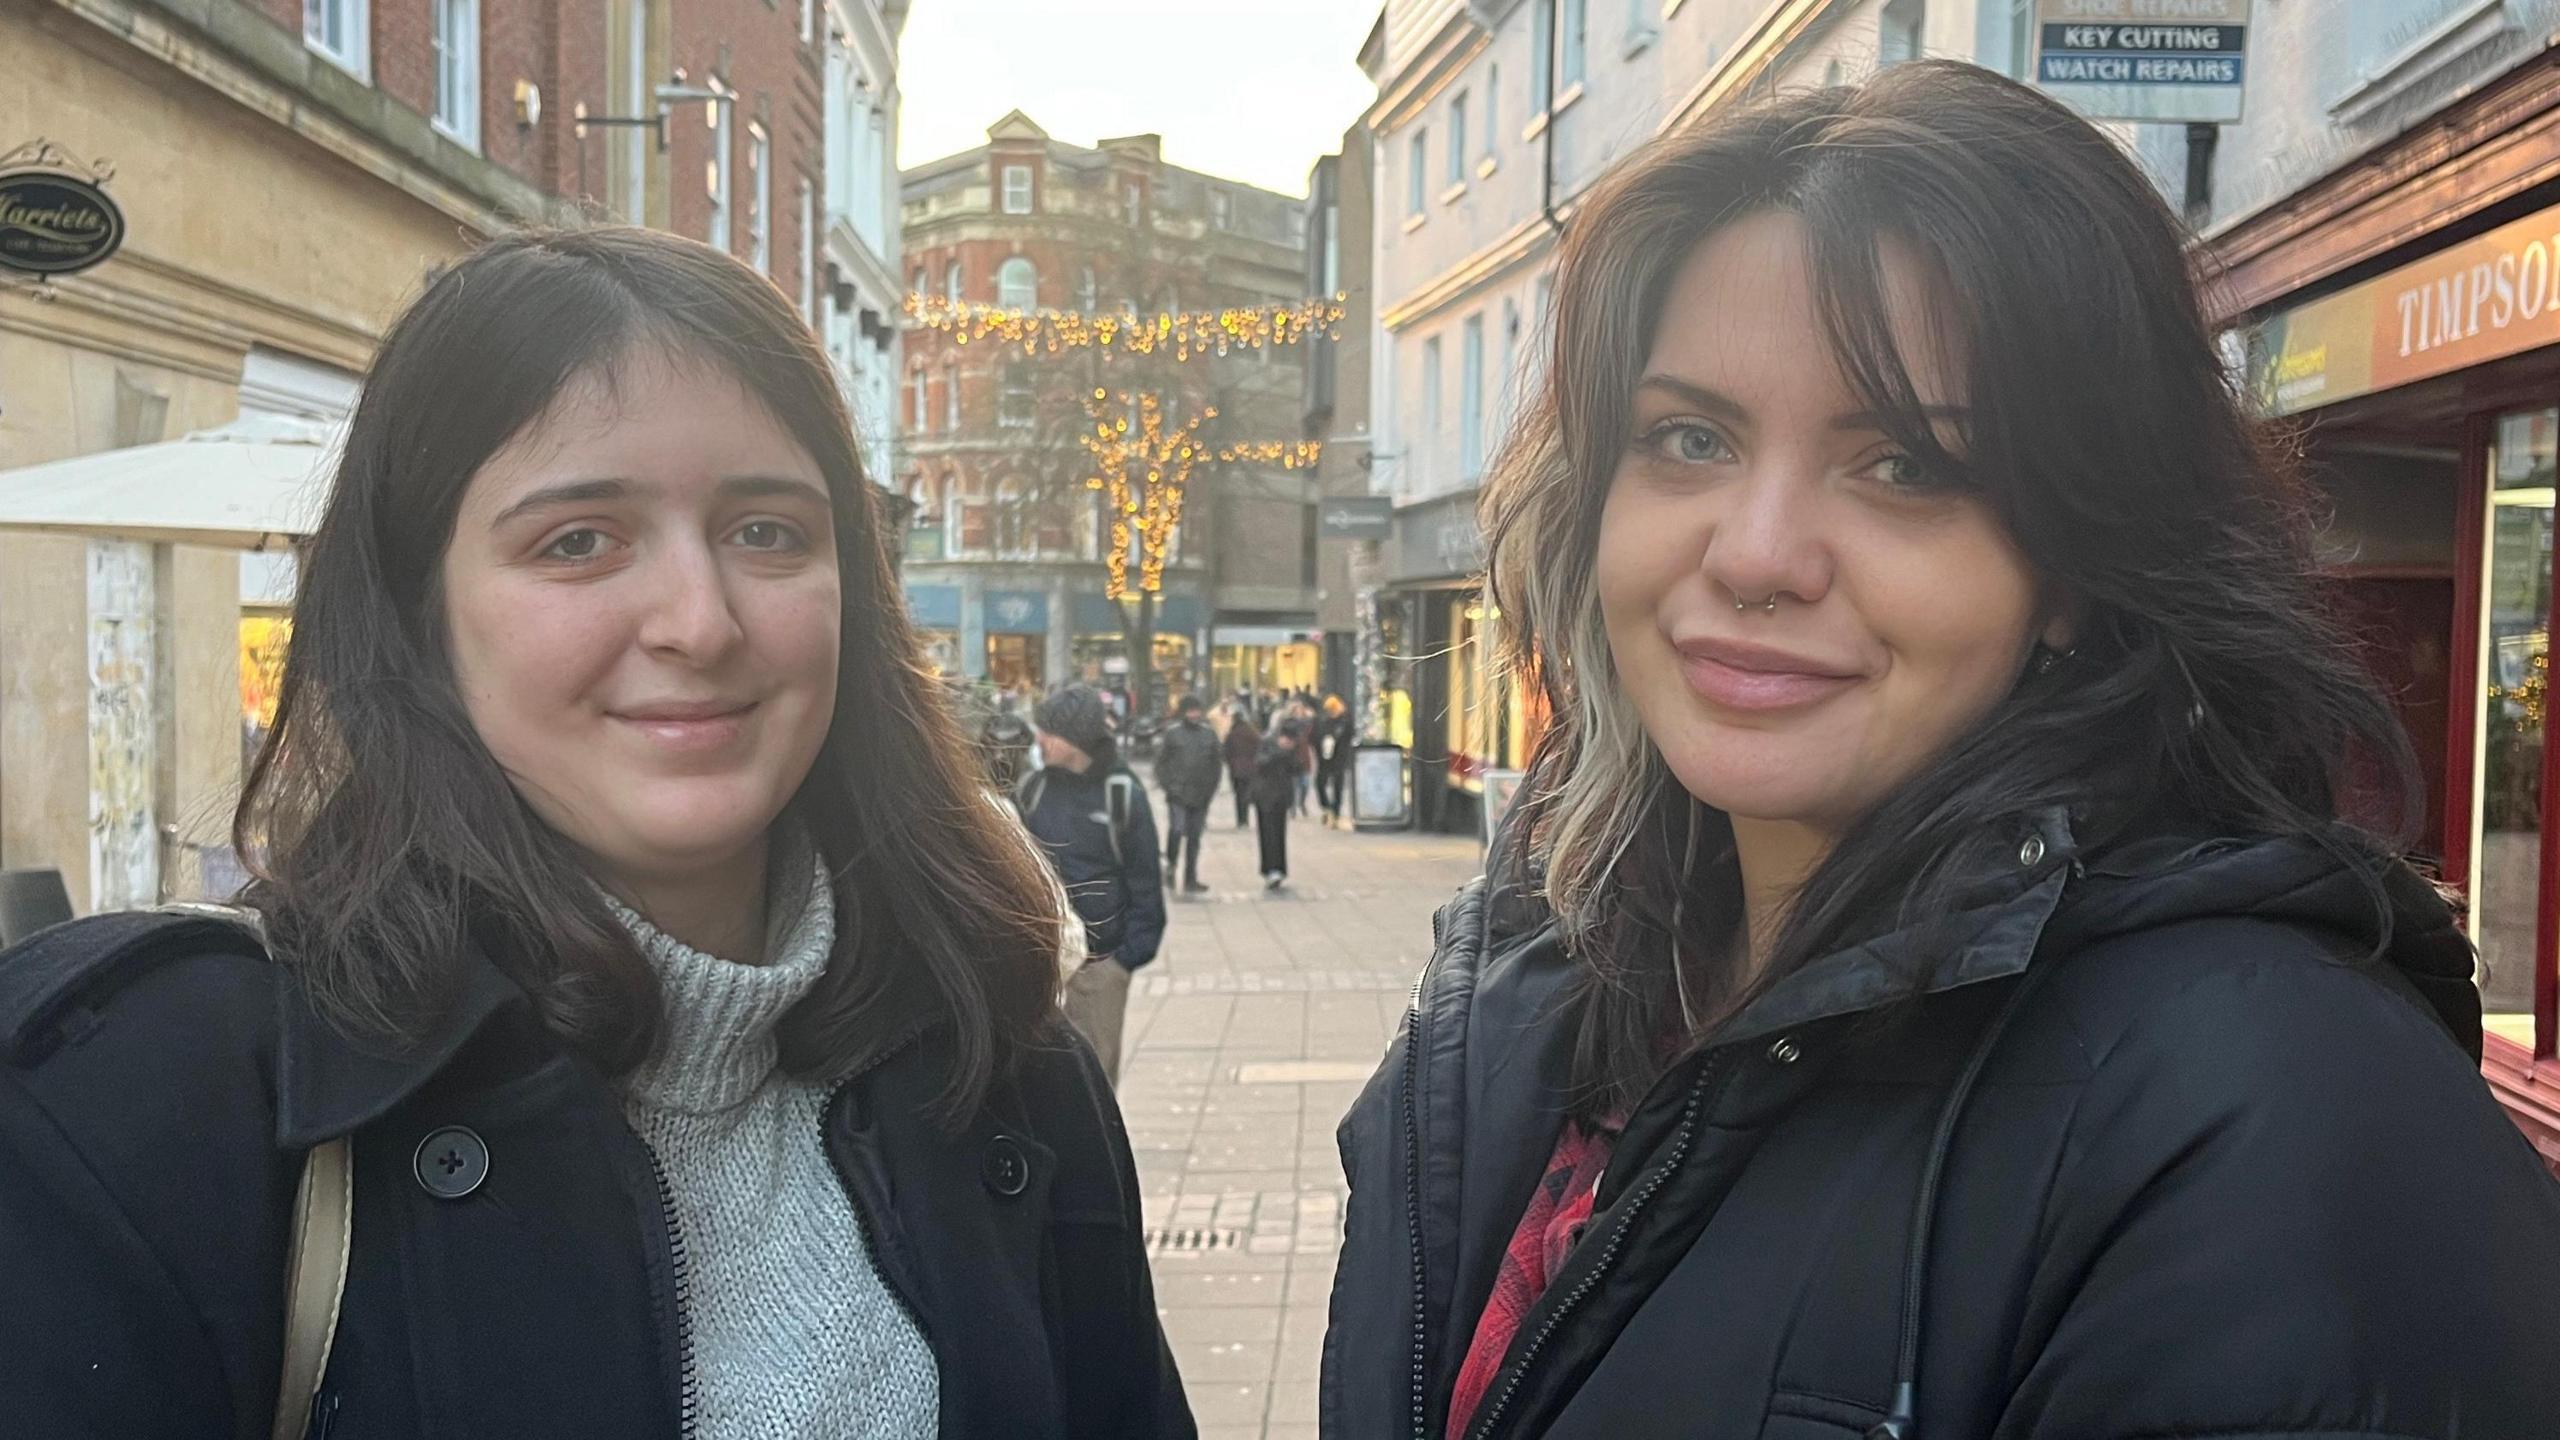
(329, 1084)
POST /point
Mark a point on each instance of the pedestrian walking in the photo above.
(1277, 767)
(1336, 732)
(1244, 759)
(629, 1083)
(1302, 719)
(1189, 761)
(1005, 745)
(1091, 817)
(1925, 987)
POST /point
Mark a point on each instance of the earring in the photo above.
(2047, 661)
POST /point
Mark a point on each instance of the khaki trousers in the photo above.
(1097, 998)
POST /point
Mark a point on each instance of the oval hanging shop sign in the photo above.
(55, 224)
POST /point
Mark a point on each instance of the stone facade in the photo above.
(996, 477)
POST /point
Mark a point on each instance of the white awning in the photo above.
(254, 484)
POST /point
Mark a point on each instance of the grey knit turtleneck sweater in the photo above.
(794, 1332)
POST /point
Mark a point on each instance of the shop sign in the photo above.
(1017, 612)
(1439, 540)
(2176, 61)
(934, 607)
(54, 221)
(2485, 298)
(1355, 517)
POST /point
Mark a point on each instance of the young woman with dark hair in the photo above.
(630, 902)
(1927, 987)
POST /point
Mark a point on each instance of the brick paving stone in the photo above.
(1245, 1042)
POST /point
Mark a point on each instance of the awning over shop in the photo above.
(253, 484)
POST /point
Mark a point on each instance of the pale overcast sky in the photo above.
(1252, 90)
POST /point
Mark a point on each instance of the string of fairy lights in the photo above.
(1142, 456)
(1185, 333)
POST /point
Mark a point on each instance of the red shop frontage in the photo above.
(2405, 313)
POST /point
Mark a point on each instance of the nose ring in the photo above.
(1770, 604)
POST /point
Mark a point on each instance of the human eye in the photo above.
(577, 546)
(1687, 442)
(1906, 475)
(775, 537)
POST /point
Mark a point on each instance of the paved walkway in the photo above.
(1246, 1041)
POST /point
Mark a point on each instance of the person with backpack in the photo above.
(1004, 745)
(1337, 734)
(1091, 818)
(1189, 761)
(1278, 764)
(648, 1028)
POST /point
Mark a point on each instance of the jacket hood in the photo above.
(2376, 905)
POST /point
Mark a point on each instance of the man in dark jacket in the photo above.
(2224, 1170)
(1188, 764)
(1091, 817)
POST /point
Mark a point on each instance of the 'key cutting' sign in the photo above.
(2160, 60)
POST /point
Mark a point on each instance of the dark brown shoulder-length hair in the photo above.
(386, 840)
(2209, 690)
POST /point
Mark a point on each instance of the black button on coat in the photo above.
(153, 1115)
(2225, 1173)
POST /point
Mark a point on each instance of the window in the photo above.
(1458, 139)
(1017, 189)
(626, 178)
(2022, 38)
(1577, 16)
(1016, 404)
(951, 282)
(457, 55)
(808, 22)
(1492, 108)
(760, 192)
(1222, 207)
(1542, 60)
(808, 251)
(1417, 160)
(918, 415)
(977, 528)
(1088, 291)
(715, 175)
(921, 281)
(1013, 529)
(950, 396)
(1898, 38)
(1510, 373)
(1129, 197)
(1471, 400)
(1332, 274)
(1018, 284)
(341, 30)
(1431, 391)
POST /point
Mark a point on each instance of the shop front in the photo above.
(935, 612)
(2429, 390)
(1442, 690)
(1017, 623)
(1101, 655)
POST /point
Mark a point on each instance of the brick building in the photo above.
(288, 171)
(1005, 565)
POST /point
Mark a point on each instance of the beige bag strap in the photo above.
(315, 1280)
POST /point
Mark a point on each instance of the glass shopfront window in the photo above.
(2515, 647)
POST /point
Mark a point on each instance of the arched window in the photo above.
(919, 415)
(1018, 284)
(926, 496)
(977, 520)
(922, 281)
(1088, 292)
(951, 279)
(1013, 520)
(950, 396)
(1052, 520)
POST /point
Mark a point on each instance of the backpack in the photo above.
(1119, 790)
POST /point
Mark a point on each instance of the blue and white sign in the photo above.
(1017, 612)
(2172, 61)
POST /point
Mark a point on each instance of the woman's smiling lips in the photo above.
(688, 725)
(1738, 675)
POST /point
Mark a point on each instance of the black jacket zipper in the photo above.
(1636, 1201)
(863, 1211)
(680, 1274)
(1413, 1205)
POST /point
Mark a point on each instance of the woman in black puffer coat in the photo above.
(1927, 988)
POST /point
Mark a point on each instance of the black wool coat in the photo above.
(160, 1080)
(2219, 1173)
